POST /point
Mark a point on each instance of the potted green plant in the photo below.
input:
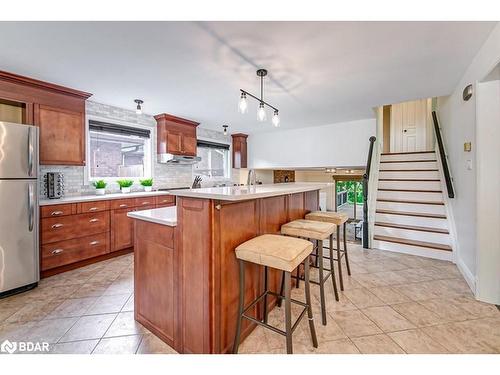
(125, 185)
(100, 187)
(147, 183)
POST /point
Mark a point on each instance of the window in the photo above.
(214, 162)
(117, 151)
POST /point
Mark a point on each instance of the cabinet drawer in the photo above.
(97, 206)
(144, 201)
(122, 203)
(70, 251)
(165, 205)
(69, 227)
(165, 199)
(57, 210)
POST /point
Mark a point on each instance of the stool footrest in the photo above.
(328, 274)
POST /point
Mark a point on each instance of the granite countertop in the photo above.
(91, 198)
(239, 193)
(164, 216)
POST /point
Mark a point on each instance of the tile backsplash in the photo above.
(164, 175)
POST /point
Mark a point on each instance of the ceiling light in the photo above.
(276, 119)
(138, 109)
(243, 104)
(225, 129)
(261, 112)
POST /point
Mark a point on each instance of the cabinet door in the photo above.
(62, 136)
(188, 145)
(174, 143)
(122, 229)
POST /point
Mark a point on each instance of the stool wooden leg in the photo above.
(309, 307)
(278, 303)
(332, 267)
(345, 251)
(288, 313)
(240, 307)
(339, 259)
(266, 272)
(321, 283)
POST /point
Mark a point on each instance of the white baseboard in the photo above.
(467, 274)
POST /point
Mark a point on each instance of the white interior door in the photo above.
(409, 126)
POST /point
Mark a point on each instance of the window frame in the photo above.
(229, 161)
(148, 161)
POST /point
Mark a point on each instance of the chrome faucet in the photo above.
(251, 179)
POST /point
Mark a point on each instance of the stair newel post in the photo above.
(366, 178)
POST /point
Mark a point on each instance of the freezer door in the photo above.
(18, 151)
(18, 233)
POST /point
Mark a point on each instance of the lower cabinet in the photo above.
(122, 229)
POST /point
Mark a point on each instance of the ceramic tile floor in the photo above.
(392, 303)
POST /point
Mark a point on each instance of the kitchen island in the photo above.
(186, 272)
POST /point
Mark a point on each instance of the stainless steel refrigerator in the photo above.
(19, 253)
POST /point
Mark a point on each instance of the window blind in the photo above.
(118, 129)
(209, 144)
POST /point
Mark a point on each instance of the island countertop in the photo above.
(164, 215)
(240, 193)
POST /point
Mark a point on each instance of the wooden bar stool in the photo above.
(281, 253)
(318, 231)
(338, 219)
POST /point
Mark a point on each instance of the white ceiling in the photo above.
(319, 72)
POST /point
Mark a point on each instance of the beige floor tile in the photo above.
(49, 330)
(129, 305)
(415, 341)
(342, 346)
(6, 312)
(447, 309)
(120, 287)
(108, 304)
(92, 289)
(329, 332)
(15, 331)
(476, 308)
(118, 345)
(355, 323)
(125, 324)
(377, 344)
(72, 307)
(75, 347)
(89, 327)
(387, 319)
(389, 295)
(418, 291)
(413, 275)
(363, 298)
(151, 344)
(255, 343)
(418, 314)
(35, 311)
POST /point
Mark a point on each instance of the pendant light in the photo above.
(138, 109)
(225, 129)
(261, 111)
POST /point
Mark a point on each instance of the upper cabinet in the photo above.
(175, 135)
(239, 150)
(58, 111)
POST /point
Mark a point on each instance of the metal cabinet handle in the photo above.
(56, 213)
(57, 251)
(93, 209)
(55, 226)
(123, 205)
(94, 243)
(93, 220)
(144, 203)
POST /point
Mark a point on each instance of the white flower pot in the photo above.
(100, 191)
(125, 190)
(148, 188)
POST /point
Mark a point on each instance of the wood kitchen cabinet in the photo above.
(122, 234)
(62, 135)
(239, 150)
(175, 135)
(58, 111)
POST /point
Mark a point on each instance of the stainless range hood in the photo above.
(177, 159)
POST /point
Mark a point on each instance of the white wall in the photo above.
(458, 123)
(340, 144)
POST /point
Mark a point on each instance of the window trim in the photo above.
(230, 159)
(149, 162)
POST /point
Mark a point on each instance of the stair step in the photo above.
(417, 175)
(412, 227)
(407, 179)
(407, 153)
(413, 190)
(411, 165)
(404, 241)
(409, 202)
(408, 170)
(407, 161)
(416, 214)
(402, 184)
(409, 157)
(429, 222)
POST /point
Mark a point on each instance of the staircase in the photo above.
(410, 214)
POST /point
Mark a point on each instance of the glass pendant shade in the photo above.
(243, 104)
(276, 119)
(138, 110)
(261, 113)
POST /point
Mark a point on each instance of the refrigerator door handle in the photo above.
(31, 208)
(31, 151)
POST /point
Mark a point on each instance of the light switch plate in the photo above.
(469, 165)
